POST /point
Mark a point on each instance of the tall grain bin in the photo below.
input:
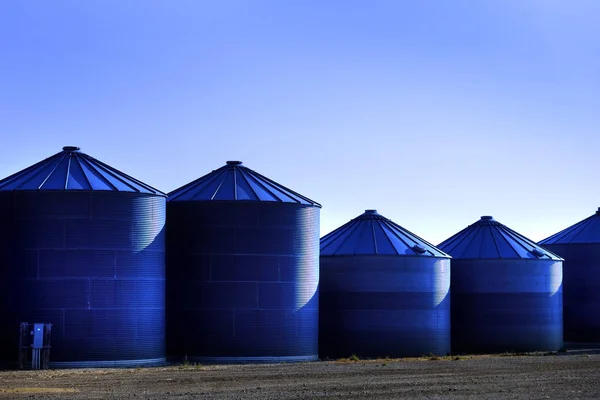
(243, 269)
(384, 292)
(83, 248)
(506, 291)
(579, 245)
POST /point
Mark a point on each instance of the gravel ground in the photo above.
(575, 375)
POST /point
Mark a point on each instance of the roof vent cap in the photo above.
(234, 163)
(538, 253)
(419, 249)
(71, 148)
(598, 212)
(487, 218)
(370, 211)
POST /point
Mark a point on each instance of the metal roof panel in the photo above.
(585, 231)
(71, 169)
(235, 182)
(372, 234)
(489, 239)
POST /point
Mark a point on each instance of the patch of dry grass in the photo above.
(38, 390)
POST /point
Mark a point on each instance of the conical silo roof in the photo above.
(235, 182)
(489, 239)
(73, 170)
(586, 231)
(372, 234)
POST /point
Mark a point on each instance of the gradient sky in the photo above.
(432, 112)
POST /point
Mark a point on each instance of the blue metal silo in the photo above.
(83, 248)
(384, 292)
(506, 291)
(579, 245)
(242, 269)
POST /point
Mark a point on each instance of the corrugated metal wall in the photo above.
(242, 280)
(506, 305)
(378, 306)
(9, 333)
(93, 265)
(581, 290)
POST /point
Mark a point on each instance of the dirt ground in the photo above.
(574, 375)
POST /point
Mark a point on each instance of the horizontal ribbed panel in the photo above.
(581, 291)
(506, 305)
(96, 273)
(242, 280)
(378, 306)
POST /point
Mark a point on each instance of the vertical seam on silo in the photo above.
(110, 171)
(582, 227)
(38, 264)
(36, 168)
(388, 238)
(243, 175)
(51, 172)
(495, 243)
(395, 233)
(233, 321)
(205, 180)
(374, 237)
(357, 243)
(68, 172)
(115, 173)
(521, 240)
(235, 195)
(335, 233)
(219, 187)
(264, 187)
(507, 243)
(351, 228)
(283, 189)
(84, 174)
(91, 167)
(456, 239)
(473, 236)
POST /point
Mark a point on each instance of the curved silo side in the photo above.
(8, 331)
(88, 256)
(243, 270)
(384, 292)
(579, 245)
(506, 291)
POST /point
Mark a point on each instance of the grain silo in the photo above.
(83, 248)
(242, 269)
(384, 292)
(506, 291)
(579, 245)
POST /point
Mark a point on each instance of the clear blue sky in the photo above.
(432, 112)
